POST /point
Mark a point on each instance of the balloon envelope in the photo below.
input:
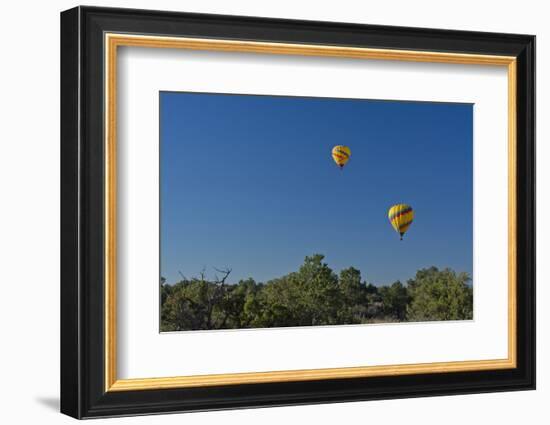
(401, 217)
(341, 155)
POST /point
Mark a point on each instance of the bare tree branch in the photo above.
(225, 271)
(202, 274)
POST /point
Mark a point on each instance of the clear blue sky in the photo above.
(248, 182)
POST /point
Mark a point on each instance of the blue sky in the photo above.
(248, 182)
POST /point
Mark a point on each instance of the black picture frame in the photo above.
(83, 392)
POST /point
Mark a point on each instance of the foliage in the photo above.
(440, 295)
(313, 295)
(395, 299)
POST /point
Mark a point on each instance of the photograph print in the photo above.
(286, 211)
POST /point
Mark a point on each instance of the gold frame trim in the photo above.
(113, 41)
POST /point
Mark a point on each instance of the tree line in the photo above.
(313, 295)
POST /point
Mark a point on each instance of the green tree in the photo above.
(313, 295)
(196, 304)
(440, 295)
(165, 290)
(394, 300)
(310, 296)
(354, 297)
(241, 304)
(374, 306)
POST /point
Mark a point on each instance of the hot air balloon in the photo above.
(341, 155)
(401, 216)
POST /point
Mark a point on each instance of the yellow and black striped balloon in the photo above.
(341, 155)
(401, 216)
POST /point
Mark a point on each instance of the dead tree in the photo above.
(216, 297)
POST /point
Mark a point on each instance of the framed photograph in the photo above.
(261, 212)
